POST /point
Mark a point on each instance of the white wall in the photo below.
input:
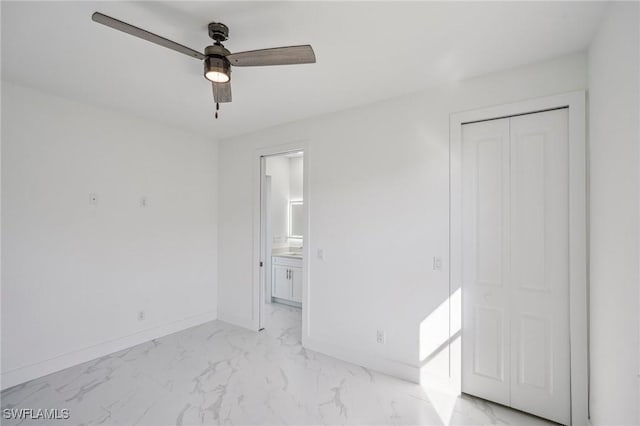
(286, 185)
(379, 207)
(278, 169)
(295, 184)
(296, 192)
(614, 189)
(75, 275)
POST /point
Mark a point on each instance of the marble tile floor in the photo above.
(217, 373)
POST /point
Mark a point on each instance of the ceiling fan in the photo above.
(217, 59)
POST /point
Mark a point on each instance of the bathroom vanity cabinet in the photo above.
(286, 279)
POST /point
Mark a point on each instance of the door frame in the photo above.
(578, 314)
(259, 232)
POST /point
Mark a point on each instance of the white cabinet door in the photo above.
(515, 257)
(281, 283)
(540, 354)
(485, 191)
(296, 284)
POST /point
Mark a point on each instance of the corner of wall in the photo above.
(614, 219)
(236, 320)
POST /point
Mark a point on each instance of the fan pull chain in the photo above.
(217, 108)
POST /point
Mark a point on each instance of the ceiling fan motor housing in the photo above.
(216, 50)
(216, 60)
(218, 31)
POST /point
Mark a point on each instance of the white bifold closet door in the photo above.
(515, 257)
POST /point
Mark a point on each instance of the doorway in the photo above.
(282, 238)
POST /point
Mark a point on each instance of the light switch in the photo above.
(437, 264)
(321, 254)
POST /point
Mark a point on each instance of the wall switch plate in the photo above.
(143, 201)
(320, 254)
(93, 199)
(141, 316)
(380, 336)
(437, 264)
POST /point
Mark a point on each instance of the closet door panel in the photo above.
(539, 258)
(486, 337)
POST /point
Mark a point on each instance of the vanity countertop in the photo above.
(289, 254)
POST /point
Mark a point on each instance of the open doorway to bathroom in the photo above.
(282, 240)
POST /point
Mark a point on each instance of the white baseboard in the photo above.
(43, 368)
(387, 366)
(236, 320)
(440, 383)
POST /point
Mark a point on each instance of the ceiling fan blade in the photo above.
(144, 34)
(221, 92)
(275, 56)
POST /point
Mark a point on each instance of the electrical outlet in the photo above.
(143, 201)
(380, 337)
(140, 315)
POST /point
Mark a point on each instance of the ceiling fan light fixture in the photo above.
(217, 69)
(217, 76)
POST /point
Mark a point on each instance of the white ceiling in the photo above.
(366, 51)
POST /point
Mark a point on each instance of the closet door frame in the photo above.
(575, 102)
